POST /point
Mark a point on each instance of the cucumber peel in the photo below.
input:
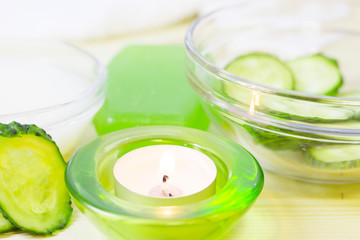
(5, 225)
(316, 74)
(33, 194)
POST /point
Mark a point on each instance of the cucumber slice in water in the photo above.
(276, 139)
(33, 194)
(5, 225)
(305, 111)
(316, 74)
(334, 156)
(352, 94)
(263, 68)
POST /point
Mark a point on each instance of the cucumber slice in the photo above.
(276, 139)
(305, 111)
(263, 68)
(5, 225)
(334, 156)
(316, 74)
(33, 194)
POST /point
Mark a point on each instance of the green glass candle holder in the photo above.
(89, 177)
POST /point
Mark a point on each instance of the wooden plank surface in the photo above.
(287, 209)
(291, 209)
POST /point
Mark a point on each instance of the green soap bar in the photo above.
(147, 85)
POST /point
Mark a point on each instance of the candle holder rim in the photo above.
(198, 209)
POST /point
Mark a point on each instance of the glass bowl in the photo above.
(54, 85)
(304, 136)
(89, 177)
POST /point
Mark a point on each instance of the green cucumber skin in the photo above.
(5, 225)
(6, 228)
(15, 129)
(49, 231)
(341, 82)
(331, 92)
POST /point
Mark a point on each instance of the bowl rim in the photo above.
(91, 90)
(228, 76)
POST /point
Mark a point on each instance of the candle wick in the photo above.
(166, 193)
(165, 178)
(164, 186)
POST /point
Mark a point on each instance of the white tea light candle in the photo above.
(156, 173)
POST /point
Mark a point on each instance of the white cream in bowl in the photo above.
(55, 86)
